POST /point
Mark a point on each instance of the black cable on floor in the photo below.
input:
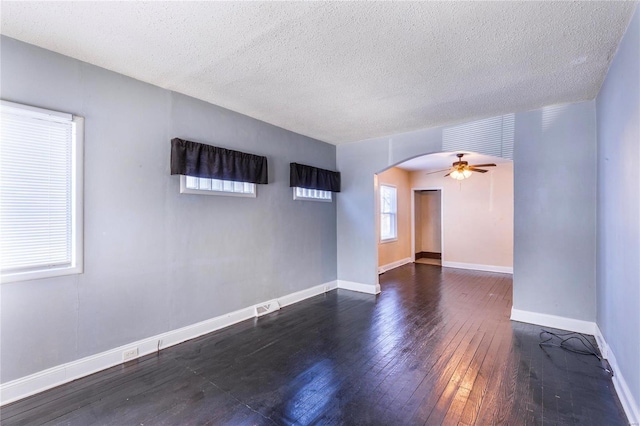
(571, 336)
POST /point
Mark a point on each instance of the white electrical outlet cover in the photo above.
(130, 354)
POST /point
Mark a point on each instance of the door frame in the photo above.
(413, 218)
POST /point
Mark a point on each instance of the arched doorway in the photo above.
(356, 210)
(466, 224)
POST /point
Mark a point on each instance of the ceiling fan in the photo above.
(461, 169)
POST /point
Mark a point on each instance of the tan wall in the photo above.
(429, 228)
(477, 216)
(418, 223)
(394, 251)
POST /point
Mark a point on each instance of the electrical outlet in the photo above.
(130, 354)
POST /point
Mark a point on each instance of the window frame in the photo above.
(77, 195)
(185, 190)
(305, 198)
(394, 213)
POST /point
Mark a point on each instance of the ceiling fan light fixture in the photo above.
(460, 174)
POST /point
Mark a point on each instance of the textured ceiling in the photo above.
(342, 71)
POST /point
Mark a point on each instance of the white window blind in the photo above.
(491, 136)
(388, 213)
(39, 222)
(207, 186)
(311, 194)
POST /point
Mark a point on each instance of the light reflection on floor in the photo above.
(320, 388)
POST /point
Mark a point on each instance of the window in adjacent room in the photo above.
(195, 185)
(41, 155)
(311, 194)
(388, 213)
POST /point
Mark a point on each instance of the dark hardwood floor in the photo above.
(435, 347)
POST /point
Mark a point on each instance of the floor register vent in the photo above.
(267, 308)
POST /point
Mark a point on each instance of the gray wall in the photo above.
(358, 162)
(555, 196)
(618, 283)
(555, 211)
(156, 260)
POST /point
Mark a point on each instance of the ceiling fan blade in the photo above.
(447, 174)
(438, 171)
(473, 169)
(483, 165)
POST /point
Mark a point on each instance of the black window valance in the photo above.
(313, 178)
(206, 161)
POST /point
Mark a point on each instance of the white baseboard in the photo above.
(299, 296)
(360, 287)
(553, 321)
(478, 267)
(587, 327)
(629, 404)
(55, 376)
(393, 265)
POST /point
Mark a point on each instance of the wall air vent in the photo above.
(267, 308)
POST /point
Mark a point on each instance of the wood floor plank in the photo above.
(454, 414)
(437, 415)
(490, 367)
(435, 347)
